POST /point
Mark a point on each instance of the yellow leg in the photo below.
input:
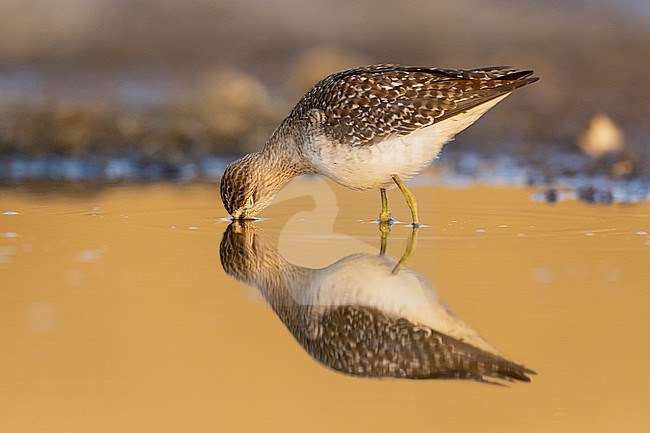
(410, 249)
(384, 216)
(385, 220)
(410, 199)
(385, 231)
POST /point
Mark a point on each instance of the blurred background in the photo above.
(167, 89)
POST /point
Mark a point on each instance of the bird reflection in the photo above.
(366, 314)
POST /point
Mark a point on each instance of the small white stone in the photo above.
(11, 212)
(641, 232)
(480, 230)
(89, 256)
(41, 316)
(8, 251)
(193, 228)
(9, 234)
(543, 275)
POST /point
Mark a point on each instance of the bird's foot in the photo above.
(386, 218)
(416, 225)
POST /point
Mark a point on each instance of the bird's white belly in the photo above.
(367, 280)
(368, 167)
(373, 166)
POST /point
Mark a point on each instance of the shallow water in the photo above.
(117, 314)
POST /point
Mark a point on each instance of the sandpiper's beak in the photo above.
(238, 214)
(241, 215)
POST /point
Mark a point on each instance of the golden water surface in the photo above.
(116, 314)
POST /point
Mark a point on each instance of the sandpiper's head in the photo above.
(248, 185)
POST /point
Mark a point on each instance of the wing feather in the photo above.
(364, 106)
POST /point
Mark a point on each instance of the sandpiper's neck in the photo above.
(283, 150)
(271, 168)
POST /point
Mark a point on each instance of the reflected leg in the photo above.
(410, 249)
(410, 200)
(384, 228)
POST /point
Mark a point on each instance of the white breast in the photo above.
(367, 280)
(406, 156)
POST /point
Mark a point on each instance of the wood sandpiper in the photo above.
(358, 316)
(366, 128)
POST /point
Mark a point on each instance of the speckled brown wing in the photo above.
(365, 105)
(365, 342)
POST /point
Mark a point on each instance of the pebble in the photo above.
(89, 256)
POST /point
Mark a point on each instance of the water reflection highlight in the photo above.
(365, 315)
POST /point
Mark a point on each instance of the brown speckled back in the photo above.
(363, 106)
